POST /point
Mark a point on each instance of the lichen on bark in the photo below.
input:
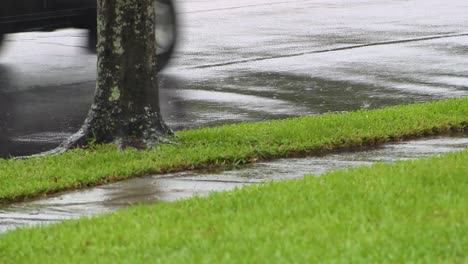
(125, 110)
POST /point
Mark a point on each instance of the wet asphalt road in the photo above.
(249, 60)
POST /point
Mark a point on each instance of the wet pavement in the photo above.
(249, 60)
(243, 60)
(171, 187)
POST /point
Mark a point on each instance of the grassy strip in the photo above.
(230, 145)
(411, 211)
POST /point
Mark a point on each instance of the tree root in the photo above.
(84, 138)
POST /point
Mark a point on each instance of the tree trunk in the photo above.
(126, 104)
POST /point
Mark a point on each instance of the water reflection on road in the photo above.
(249, 60)
(243, 60)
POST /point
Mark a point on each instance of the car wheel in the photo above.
(92, 38)
(166, 32)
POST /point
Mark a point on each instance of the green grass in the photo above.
(230, 145)
(407, 212)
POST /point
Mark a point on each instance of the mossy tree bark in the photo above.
(126, 104)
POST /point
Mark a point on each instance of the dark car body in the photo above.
(48, 15)
(45, 15)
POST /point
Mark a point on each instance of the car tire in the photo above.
(166, 29)
(92, 38)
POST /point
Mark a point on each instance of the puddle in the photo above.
(171, 187)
